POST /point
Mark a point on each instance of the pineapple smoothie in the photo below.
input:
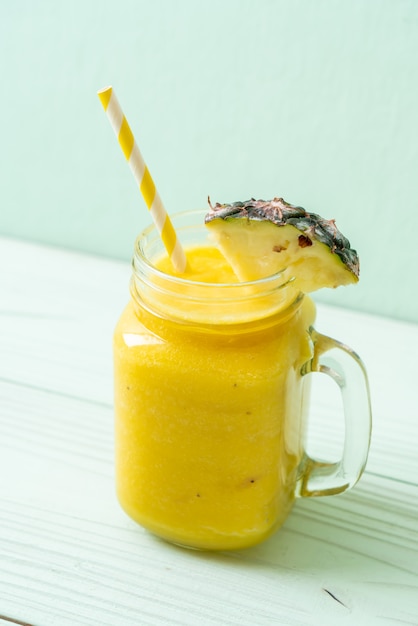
(209, 423)
(211, 375)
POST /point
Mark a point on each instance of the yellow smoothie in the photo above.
(209, 414)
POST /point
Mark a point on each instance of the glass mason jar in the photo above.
(211, 401)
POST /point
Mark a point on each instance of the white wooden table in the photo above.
(70, 556)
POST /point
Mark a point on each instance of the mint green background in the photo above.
(312, 100)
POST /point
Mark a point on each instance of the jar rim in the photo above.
(140, 257)
(186, 300)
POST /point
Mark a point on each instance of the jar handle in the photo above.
(345, 367)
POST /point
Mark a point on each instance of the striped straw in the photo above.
(142, 176)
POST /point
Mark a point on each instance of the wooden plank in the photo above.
(69, 555)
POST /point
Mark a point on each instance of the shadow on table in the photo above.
(357, 551)
(350, 536)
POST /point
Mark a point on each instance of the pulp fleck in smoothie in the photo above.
(208, 423)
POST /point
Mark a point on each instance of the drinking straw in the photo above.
(143, 177)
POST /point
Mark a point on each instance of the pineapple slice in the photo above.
(261, 238)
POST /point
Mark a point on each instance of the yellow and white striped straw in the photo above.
(142, 176)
